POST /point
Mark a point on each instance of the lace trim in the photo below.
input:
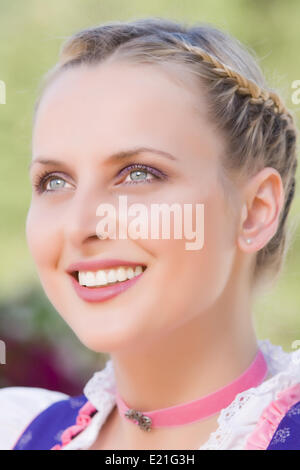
(101, 387)
(281, 366)
(268, 422)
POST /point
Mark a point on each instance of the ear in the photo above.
(263, 199)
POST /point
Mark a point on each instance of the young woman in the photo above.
(161, 113)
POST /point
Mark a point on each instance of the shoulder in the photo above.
(252, 418)
(18, 407)
(281, 397)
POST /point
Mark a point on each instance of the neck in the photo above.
(190, 362)
(178, 371)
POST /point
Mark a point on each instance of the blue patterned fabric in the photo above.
(287, 434)
(45, 430)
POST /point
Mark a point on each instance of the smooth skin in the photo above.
(185, 328)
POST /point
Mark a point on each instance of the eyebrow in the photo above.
(123, 154)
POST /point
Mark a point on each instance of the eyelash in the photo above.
(45, 176)
(138, 166)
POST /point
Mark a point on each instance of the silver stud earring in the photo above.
(248, 240)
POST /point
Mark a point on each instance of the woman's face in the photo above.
(86, 115)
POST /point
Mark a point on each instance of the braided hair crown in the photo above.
(258, 128)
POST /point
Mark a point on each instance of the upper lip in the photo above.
(95, 264)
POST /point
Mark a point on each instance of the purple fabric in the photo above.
(45, 430)
(287, 434)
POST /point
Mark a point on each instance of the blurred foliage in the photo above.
(36, 338)
(31, 33)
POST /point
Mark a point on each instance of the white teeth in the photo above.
(104, 277)
(121, 274)
(101, 278)
(90, 279)
(129, 273)
(112, 276)
(81, 278)
(138, 270)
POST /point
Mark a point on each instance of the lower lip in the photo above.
(100, 294)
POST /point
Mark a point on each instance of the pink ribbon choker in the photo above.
(202, 408)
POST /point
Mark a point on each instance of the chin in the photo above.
(101, 339)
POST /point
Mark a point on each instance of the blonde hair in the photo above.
(259, 130)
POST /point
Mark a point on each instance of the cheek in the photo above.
(193, 279)
(42, 237)
(218, 249)
(212, 265)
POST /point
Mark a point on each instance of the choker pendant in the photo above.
(199, 409)
(143, 421)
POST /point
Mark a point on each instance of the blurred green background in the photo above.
(31, 33)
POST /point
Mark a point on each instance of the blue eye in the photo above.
(57, 186)
(138, 174)
(47, 179)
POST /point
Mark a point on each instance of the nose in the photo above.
(82, 220)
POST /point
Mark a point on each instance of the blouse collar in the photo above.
(100, 389)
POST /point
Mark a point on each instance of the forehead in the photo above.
(112, 105)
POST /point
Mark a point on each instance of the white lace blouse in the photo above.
(19, 405)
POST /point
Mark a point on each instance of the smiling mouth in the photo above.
(107, 277)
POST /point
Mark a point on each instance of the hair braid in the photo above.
(244, 85)
(264, 120)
